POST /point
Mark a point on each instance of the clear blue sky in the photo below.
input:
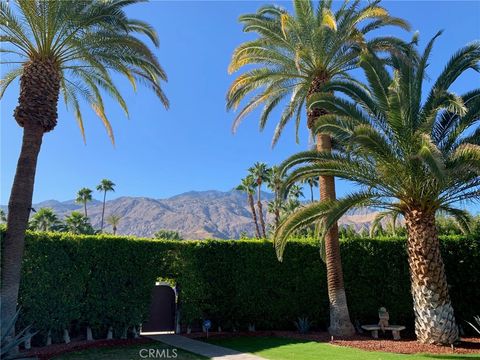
(160, 153)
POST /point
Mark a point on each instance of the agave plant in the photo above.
(303, 325)
(410, 156)
(477, 320)
(10, 342)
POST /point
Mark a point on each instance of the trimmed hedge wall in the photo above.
(71, 281)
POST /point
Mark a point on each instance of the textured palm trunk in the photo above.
(434, 315)
(340, 323)
(254, 215)
(277, 218)
(36, 113)
(103, 210)
(311, 193)
(260, 212)
(85, 208)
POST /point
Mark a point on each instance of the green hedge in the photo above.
(70, 281)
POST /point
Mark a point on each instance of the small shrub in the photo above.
(303, 325)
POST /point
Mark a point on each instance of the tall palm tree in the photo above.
(295, 192)
(67, 48)
(113, 220)
(294, 56)
(312, 183)
(276, 207)
(248, 186)
(411, 156)
(84, 195)
(105, 186)
(260, 173)
(44, 219)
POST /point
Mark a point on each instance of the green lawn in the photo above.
(290, 349)
(130, 353)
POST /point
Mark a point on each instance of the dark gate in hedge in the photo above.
(162, 310)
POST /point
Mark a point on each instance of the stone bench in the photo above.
(395, 329)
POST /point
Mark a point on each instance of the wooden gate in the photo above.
(162, 310)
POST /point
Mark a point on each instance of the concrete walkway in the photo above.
(202, 348)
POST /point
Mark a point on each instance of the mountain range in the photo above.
(194, 214)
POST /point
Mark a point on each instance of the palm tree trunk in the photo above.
(103, 210)
(254, 215)
(114, 229)
(434, 315)
(311, 192)
(19, 207)
(277, 218)
(260, 212)
(85, 208)
(36, 113)
(340, 323)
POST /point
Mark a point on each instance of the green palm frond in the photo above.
(461, 217)
(89, 41)
(292, 49)
(328, 212)
(402, 158)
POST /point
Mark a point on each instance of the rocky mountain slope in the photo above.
(195, 214)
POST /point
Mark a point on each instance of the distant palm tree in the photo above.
(44, 219)
(104, 186)
(113, 220)
(248, 186)
(260, 172)
(275, 183)
(84, 195)
(276, 207)
(291, 205)
(69, 49)
(312, 183)
(295, 192)
(412, 157)
(165, 234)
(77, 223)
(3, 216)
(294, 55)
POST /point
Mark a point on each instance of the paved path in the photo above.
(202, 348)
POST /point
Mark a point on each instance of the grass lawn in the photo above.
(291, 349)
(130, 353)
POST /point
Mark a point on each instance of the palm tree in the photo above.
(247, 186)
(276, 207)
(312, 183)
(77, 223)
(113, 220)
(411, 157)
(295, 55)
(44, 219)
(275, 183)
(105, 185)
(84, 195)
(295, 192)
(67, 48)
(260, 173)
